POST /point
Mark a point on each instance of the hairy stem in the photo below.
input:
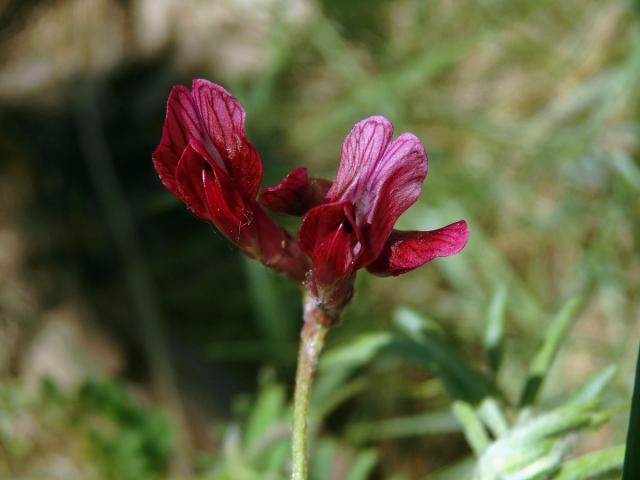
(314, 330)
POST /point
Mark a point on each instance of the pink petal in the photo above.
(380, 178)
(189, 182)
(180, 125)
(393, 188)
(405, 251)
(362, 149)
(223, 122)
(296, 194)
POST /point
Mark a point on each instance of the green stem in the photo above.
(314, 330)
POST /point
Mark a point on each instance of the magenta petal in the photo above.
(334, 267)
(405, 251)
(335, 254)
(277, 249)
(180, 125)
(296, 194)
(230, 211)
(190, 184)
(318, 223)
(223, 122)
(380, 178)
(394, 187)
(244, 223)
(362, 149)
(332, 241)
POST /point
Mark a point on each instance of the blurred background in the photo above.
(136, 342)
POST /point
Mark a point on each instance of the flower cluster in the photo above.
(206, 161)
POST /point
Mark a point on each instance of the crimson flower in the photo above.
(206, 161)
(348, 224)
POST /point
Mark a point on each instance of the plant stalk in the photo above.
(315, 327)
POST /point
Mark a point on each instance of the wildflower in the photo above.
(206, 161)
(352, 226)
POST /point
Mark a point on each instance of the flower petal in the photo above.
(405, 251)
(330, 237)
(277, 249)
(318, 223)
(230, 211)
(244, 223)
(335, 254)
(181, 123)
(362, 149)
(392, 189)
(222, 118)
(296, 194)
(334, 268)
(189, 182)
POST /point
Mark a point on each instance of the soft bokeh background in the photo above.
(155, 334)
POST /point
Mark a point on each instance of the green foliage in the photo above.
(596, 465)
(510, 440)
(494, 333)
(536, 445)
(100, 421)
(130, 441)
(258, 447)
(542, 362)
(418, 341)
(632, 460)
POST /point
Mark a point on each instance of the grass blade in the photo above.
(267, 410)
(426, 424)
(428, 347)
(494, 334)
(593, 465)
(474, 431)
(274, 321)
(494, 417)
(363, 465)
(632, 459)
(546, 355)
(594, 386)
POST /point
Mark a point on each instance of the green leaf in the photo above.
(569, 418)
(268, 409)
(593, 465)
(356, 352)
(337, 365)
(460, 470)
(474, 431)
(322, 461)
(363, 465)
(504, 457)
(540, 468)
(273, 318)
(535, 447)
(593, 387)
(632, 459)
(544, 359)
(461, 379)
(494, 333)
(415, 325)
(494, 417)
(425, 424)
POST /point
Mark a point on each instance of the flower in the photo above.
(206, 161)
(352, 226)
